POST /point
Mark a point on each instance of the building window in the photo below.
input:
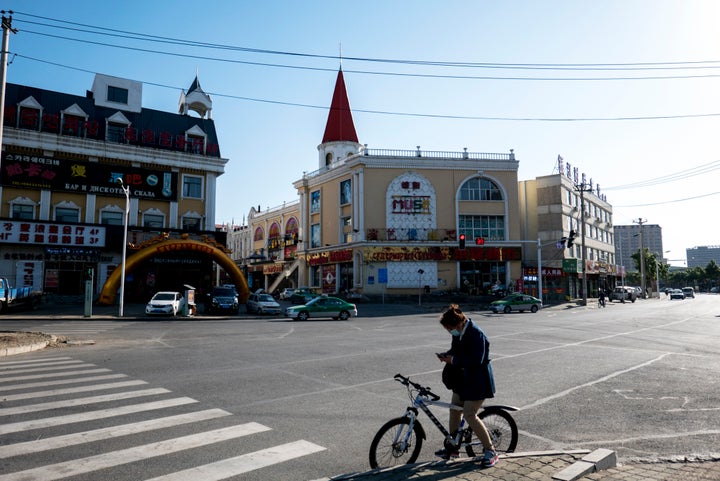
(22, 211)
(191, 223)
(259, 234)
(315, 235)
(156, 221)
(66, 214)
(116, 133)
(480, 189)
(117, 94)
(345, 192)
(192, 187)
(489, 227)
(109, 217)
(315, 202)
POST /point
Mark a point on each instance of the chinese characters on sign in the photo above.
(14, 232)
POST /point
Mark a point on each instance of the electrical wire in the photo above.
(641, 66)
(684, 174)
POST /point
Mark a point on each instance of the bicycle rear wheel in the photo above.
(393, 445)
(502, 428)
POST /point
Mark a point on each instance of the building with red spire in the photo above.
(383, 221)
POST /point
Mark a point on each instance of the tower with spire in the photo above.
(340, 140)
(196, 100)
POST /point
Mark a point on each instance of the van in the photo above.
(623, 294)
(689, 292)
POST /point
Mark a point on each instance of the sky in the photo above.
(627, 91)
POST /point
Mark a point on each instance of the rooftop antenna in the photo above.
(340, 48)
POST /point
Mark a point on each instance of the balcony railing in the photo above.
(410, 235)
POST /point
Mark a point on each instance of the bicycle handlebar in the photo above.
(422, 390)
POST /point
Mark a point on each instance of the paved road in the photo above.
(626, 356)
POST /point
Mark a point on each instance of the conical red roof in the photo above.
(340, 124)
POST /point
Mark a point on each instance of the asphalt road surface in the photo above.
(262, 398)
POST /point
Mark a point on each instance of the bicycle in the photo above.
(601, 302)
(400, 440)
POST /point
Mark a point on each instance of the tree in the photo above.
(712, 273)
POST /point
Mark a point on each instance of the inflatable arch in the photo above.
(109, 290)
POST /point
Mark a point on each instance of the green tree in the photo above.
(712, 273)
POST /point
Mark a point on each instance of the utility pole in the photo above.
(7, 28)
(582, 188)
(640, 222)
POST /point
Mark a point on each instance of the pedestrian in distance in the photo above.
(469, 375)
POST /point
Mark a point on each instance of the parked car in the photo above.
(322, 306)
(164, 303)
(286, 294)
(676, 294)
(262, 303)
(303, 295)
(222, 299)
(516, 302)
(623, 294)
(689, 292)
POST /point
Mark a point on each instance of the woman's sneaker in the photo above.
(445, 454)
(489, 459)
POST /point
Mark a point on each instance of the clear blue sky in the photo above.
(650, 141)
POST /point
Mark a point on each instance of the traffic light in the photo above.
(89, 273)
(479, 241)
(461, 243)
(571, 238)
(561, 243)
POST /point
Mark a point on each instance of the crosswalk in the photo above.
(69, 412)
(70, 328)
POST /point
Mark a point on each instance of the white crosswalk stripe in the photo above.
(68, 389)
(71, 328)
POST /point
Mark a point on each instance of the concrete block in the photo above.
(575, 471)
(602, 459)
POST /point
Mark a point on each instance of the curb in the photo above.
(11, 351)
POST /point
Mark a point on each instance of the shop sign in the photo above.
(331, 257)
(24, 232)
(411, 204)
(272, 268)
(63, 175)
(499, 254)
(400, 254)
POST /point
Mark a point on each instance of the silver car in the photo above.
(262, 303)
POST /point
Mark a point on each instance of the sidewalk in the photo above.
(548, 466)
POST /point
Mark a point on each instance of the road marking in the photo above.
(52, 375)
(81, 401)
(72, 390)
(74, 439)
(242, 464)
(92, 415)
(60, 382)
(89, 464)
(49, 361)
(54, 367)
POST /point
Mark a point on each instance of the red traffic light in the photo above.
(461, 242)
(479, 241)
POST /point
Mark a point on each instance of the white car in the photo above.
(286, 294)
(262, 303)
(164, 303)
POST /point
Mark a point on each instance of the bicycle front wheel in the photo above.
(396, 444)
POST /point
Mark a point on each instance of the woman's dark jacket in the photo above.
(471, 353)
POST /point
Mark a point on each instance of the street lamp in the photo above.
(126, 190)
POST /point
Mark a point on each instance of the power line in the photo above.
(669, 201)
(684, 174)
(641, 66)
(406, 114)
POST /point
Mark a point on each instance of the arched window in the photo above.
(259, 234)
(480, 188)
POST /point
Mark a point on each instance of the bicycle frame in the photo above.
(421, 401)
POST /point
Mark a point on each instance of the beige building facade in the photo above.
(389, 222)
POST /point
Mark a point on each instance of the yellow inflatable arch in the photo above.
(109, 290)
